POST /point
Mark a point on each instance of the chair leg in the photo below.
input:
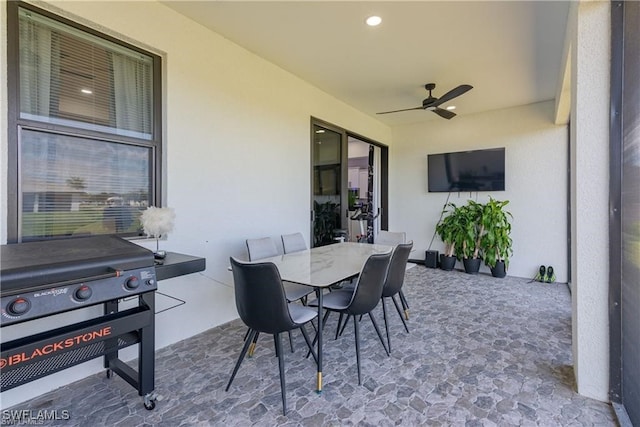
(405, 304)
(393, 298)
(245, 347)
(308, 341)
(356, 327)
(290, 341)
(252, 348)
(246, 334)
(386, 324)
(344, 325)
(339, 324)
(283, 388)
(375, 325)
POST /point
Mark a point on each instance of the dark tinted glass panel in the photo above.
(76, 186)
(327, 184)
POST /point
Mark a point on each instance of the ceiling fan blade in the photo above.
(453, 93)
(405, 109)
(444, 113)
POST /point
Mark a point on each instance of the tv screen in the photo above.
(478, 170)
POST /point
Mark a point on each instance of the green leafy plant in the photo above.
(460, 230)
(471, 230)
(448, 229)
(496, 239)
(326, 219)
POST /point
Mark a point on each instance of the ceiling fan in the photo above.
(433, 104)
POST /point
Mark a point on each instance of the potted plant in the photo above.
(470, 237)
(448, 229)
(496, 241)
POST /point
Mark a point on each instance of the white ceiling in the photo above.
(510, 51)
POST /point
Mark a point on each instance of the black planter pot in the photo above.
(471, 265)
(447, 262)
(499, 270)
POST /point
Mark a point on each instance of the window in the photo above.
(84, 129)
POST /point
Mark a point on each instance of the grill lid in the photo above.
(46, 263)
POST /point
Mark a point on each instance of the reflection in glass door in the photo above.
(630, 218)
(624, 253)
(328, 182)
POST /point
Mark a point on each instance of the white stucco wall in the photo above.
(536, 155)
(237, 153)
(237, 159)
(590, 196)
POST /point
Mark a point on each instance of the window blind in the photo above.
(72, 78)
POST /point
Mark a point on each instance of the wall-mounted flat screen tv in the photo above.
(477, 170)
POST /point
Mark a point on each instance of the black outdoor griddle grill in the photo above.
(40, 279)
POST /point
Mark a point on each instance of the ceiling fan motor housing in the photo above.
(428, 101)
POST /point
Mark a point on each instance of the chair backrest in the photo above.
(261, 248)
(397, 268)
(390, 238)
(293, 243)
(368, 290)
(260, 297)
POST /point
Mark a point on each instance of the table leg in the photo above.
(319, 292)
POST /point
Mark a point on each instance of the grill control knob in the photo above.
(83, 293)
(132, 283)
(18, 306)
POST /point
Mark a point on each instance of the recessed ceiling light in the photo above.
(451, 107)
(87, 91)
(372, 21)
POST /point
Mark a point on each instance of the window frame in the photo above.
(15, 123)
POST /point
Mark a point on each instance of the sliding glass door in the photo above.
(328, 183)
(349, 173)
(625, 213)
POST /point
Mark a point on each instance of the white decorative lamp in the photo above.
(156, 222)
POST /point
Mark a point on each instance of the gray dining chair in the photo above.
(390, 238)
(393, 238)
(293, 243)
(392, 287)
(263, 307)
(266, 247)
(365, 297)
(393, 284)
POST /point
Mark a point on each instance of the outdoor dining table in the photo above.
(321, 267)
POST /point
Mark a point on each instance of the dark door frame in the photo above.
(625, 91)
(384, 172)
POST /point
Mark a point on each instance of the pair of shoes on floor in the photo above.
(545, 274)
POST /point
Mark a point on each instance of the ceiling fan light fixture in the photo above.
(373, 21)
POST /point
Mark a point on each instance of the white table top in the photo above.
(325, 265)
